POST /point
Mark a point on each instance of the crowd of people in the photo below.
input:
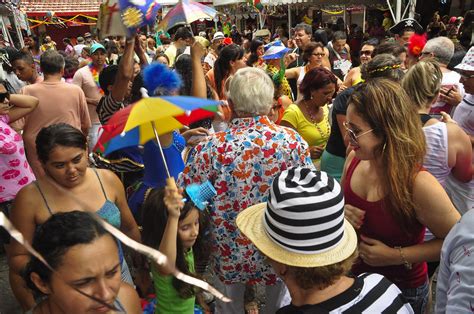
(342, 165)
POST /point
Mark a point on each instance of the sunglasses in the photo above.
(318, 54)
(4, 96)
(366, 52)
(352, 135)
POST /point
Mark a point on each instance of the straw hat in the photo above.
(303, 223)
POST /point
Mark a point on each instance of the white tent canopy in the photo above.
(397, 8)
(226, 2)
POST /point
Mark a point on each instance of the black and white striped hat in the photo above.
(302, 224)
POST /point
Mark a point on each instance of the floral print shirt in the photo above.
(241, 163)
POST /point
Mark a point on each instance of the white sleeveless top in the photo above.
(298, 83)
(436, 158)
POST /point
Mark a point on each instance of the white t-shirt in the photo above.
(78, 49)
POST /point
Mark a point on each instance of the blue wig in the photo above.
(160, 80)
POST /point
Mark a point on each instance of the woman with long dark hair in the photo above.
(390, 198)
(231, 58)
(256, 53)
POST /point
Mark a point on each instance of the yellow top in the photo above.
(316, 134)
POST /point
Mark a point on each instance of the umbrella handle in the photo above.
(171, 182)
(161, 150)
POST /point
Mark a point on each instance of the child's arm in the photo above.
(174, 202)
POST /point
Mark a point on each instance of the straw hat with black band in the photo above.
(303, 223)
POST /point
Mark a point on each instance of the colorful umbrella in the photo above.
(186, 12)
(150, 117)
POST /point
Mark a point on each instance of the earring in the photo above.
(383, 148)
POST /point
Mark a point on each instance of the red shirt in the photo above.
(379, 224)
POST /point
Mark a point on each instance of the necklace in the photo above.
(312, 116)
(95, 76)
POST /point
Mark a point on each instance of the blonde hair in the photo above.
(423, 82)
(386, 107)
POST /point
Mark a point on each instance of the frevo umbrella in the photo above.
(150, 117)
(186, 12)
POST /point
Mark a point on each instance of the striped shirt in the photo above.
(370, 293)
(106, 107)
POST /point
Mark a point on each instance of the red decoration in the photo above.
(416, 44)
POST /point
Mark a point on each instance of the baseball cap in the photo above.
(97, 46)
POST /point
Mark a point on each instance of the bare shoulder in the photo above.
(107, 175)
(425, 181)
(128, 297)
(29, 194)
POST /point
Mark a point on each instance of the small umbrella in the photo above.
(147, 119)
(186, 12)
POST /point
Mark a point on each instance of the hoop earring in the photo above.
(383, 148)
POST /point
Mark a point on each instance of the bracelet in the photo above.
(404, 260)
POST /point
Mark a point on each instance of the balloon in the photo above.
(138, 13)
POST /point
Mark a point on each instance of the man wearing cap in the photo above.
(302, 231)
(211, 57)
(88, 39)
(87, 78)
(79, 46)
(182, 38)
(462, 194)
(404, 29)
(263, 35)
(452, 91)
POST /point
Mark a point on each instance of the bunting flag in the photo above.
(257, 4)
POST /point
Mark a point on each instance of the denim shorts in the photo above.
(417, 297)
(5, 208)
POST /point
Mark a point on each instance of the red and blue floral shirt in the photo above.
(241, 163)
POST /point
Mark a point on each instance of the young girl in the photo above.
(173, 227)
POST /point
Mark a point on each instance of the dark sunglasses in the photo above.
(366, 52)
(4, 96)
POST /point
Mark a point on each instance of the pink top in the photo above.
(14, 168)
(84, 79)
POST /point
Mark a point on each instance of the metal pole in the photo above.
(398, 10)
(391, 12)
(161, 149)
(289, 21)
(363, 20)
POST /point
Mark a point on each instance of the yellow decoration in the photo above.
(38, 22)
(333, 12)
(132, 17)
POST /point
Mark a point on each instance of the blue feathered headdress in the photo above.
(160, 80)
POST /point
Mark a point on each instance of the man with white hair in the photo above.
(452, 91)
(241, 163)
